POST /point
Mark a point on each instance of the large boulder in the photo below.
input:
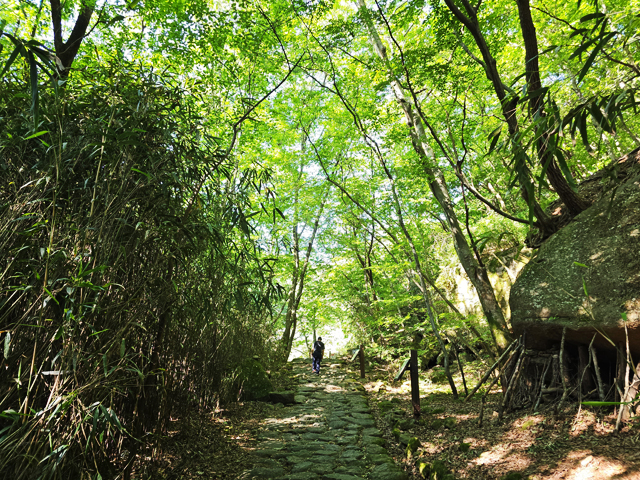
(254, 381)
(585, 277)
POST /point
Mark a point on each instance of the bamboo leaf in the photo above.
(591, 16)
(565, 169)
(594, 54)
(494, 136)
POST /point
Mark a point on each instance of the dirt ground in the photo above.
(570, 443)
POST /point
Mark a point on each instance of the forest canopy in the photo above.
(188, 184)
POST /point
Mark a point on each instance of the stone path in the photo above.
(328, 434)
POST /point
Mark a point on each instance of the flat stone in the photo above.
(365, 422)
(326, 452)
(315, 429)
(286, 398)
(267, 452)
(373, 441)
(375, 449)
(362, 415)
(352, 455)
(266, 472)
(322, 467)
(337, 424)
(296, 476)
(301, 467)
(352, 470)
(300, 398)
(372, 432)
(342, 476)
(379, 459)
(387, 471)
(348, 440)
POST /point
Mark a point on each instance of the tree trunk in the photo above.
(477, 275)
(574, 202)
(67, 51)
(470, 21)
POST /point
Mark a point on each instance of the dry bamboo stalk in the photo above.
(586, 368)
(484, 397)
(596, 367)
(488, 373)
(544, 374)
(624, 409)
(516, 373)
(561, 366)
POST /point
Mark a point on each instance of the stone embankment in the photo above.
(329, 433)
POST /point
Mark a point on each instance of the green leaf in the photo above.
(603, 404)
(578, 264)
(594, 54)
(591, 16)
(583, 130)
(36, 134)
(140, 171)
(494, 136)
(582, 48)
(10, 61)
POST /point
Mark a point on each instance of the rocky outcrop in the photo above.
(586, 277)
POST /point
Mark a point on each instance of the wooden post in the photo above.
(361, 353)
(415, 386)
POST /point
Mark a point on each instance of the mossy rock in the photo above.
(392, 418)
(406, 424)
(437, 411)
(437, 375)
(396, 433)
(464, 447)
(385, 406)
(450, 422)
(412, 446)
(437, 424)
(397, 400)
(435, 471)
(439, 470)
(254, 380)
(512, 476)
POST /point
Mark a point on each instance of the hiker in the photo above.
(318, 352)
